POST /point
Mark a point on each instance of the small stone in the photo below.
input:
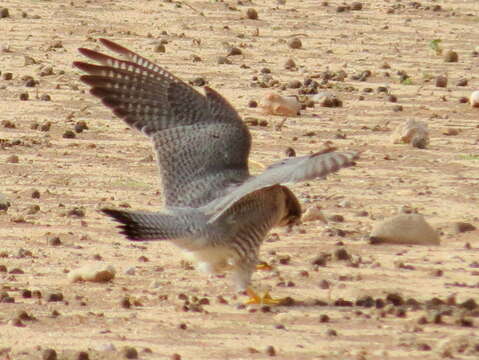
(24, 96)
(270, 351)
(7, 76)
(159, 48)
(199, 81)
(404, 229)
(290, 152)
(80, 126)
(336, 218)
(4, 13)
(93, 273)
(26, 294)
(252, 14)
(130, 270)
(54, 297)
(176, 357)
(289, 64)
(462, 82)
(461, 227)
(451, 132)
(275, 104)
(410, 131)
(451, 56)
(295, 43)
(83, 355)
(49, 354)
(54, 241)
(223, 60)
(4, 202)
(234, 51)
(314, 213)
(342, 254)
(294, 84)
(125, 303)
(76, 212)
(392, 98)
(130, 352)
(68, 134)
(474, 99)
(252, 104)
(441, 81)
(356, 6)
(13, 159)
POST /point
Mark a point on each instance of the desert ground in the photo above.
(362, 302)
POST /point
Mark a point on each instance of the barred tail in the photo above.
(145, 226)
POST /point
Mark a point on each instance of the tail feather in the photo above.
(144, 226)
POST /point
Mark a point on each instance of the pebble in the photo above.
(4, 202)
(314, 213)
(451, 56)
(24, 96)
(412, 132)
(404, 229)
(474, 99)
(462, 82)
(4, 13)
(275, 104)
(49, 354)
(130, 270)
(252, 14)
(441, 81)
(93, 273)
(68, 134)
(326, 99)
(155, 284)
(451, 132)
(461, 227)
(289, 64)
(83, 355)
(130, 352)
(13, 159)
(295, 43)
(270, 351)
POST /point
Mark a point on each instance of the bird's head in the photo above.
(292, 209)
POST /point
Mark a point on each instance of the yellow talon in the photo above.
(266, 299)
(264, 266)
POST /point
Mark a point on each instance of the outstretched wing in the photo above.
(287, 171)
(201, 143)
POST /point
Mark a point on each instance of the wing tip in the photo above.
(126, 225)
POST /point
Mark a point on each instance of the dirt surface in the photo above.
(110, 165)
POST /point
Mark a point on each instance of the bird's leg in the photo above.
(266, 299)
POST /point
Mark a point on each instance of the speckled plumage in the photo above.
(213, 207)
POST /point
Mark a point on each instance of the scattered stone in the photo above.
(441, 81)
(80, 126)
(54, 240)
(24, 96)
(275, 104)
(451, 56)
(4, 13)
(462, 82)
(314, 213)
(461, 227)
(82, 355)
(336, 218)
(93, 273)
(404, 229)
(474, 99)
(7, 76)
(49, 354)
(130, 352)
(125, 303)
(451, 132)
(159, 48)
(252, 104)
(270, 351)
(252, 14)
(326, 99)
(412, 131)
(234, 51)
(13, 159)
(289, 64)
(356, 6)
(130, 270)
(4, 202)
(68, 134)
(295, 43)
(223, 60)
(290, 152)
(54, 297)
(76, 212)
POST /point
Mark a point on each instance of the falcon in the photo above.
(213, 208)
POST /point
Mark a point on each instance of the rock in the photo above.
(412, 132)
(275, 104)
(404, 229)
(130, 270)
(295, 43)
(441, 81)
(451, 56)
(314, 213)
(474, 99)
(4, 203)
(252, 14)
(94, 273)
(326, 99)
(461, 227)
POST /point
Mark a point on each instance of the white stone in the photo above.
(93, 272)
(404, 229)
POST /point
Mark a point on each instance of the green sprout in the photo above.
(435, 45)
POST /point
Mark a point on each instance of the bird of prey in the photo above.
(213, 207)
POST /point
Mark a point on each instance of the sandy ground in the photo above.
(110, 165)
